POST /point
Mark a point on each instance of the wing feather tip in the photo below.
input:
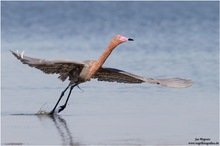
(177, 83)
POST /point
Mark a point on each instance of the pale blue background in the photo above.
(172, 39)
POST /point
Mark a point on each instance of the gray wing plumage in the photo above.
(61, 67)
(120, 76)
(116, 75)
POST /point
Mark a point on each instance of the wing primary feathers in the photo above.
(120, 76)
(61, 67)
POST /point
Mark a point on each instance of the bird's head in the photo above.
(118, 39)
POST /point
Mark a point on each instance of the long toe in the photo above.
(61, 108)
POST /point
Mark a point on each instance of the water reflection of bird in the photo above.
(62, 128)
(80, 72)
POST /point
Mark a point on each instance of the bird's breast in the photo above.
(86, 71)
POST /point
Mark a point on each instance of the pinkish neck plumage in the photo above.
(106, 54)
(97, 64)
(118, 39)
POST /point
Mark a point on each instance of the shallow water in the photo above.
(172, 39)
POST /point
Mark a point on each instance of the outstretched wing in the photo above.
(120, 76)
(116, 75)
(61, 67)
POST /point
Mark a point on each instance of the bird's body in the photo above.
(79, 72)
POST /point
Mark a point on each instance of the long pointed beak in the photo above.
(130, 39)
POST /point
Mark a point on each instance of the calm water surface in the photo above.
(172, 39)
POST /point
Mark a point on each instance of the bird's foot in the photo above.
(55, 111)
(61, 108)
(51, 112)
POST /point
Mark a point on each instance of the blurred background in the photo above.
(171, 39)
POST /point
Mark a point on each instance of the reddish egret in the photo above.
(80, 72)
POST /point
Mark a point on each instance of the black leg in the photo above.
(52, 112)
(64, 106)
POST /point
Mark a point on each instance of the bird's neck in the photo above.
(105, 55)
(98, 63)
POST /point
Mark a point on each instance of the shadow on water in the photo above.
(59, 123)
